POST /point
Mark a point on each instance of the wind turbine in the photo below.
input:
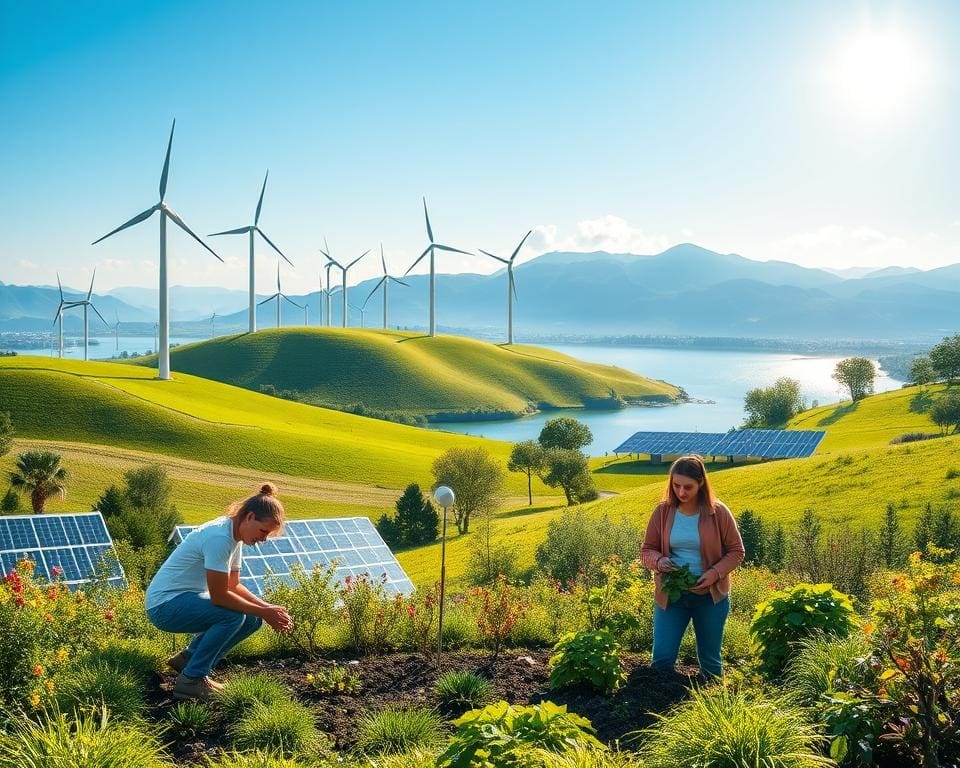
(329, 289)
(361, 309)
(88, 303)
(434, 246)
(279, 296)
(343, 270)
(166, 212)
(213, 326)
(511, 286)
(251, 230)
(64, 304)
(385, 282)
(116, 329)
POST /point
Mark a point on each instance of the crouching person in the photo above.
(197, 590)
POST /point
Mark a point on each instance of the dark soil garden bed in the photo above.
(404, 679)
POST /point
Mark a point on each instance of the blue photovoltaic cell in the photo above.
(353, 543)
(755, 443)
(669, 443)
(79, 545)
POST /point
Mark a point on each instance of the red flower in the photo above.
(108, 614)
(56, 571)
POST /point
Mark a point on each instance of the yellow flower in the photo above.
(34, 699)
(49, 686)
(62, 655)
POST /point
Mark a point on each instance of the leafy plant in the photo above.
(497, 607)
(254, 759)
(334, 679)
(243, 692)
(311, 599)
(397, 729)
(794, 613)
(284, 726)
(462, 690)
(591, 657)
(373, 616)
(500, 735)
(420, 619)
(188, 719)
(674, 584)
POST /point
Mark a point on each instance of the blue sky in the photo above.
(765, 129)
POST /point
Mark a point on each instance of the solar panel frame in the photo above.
(77, 543)
(319, 541)
(755, 443)
(669, 443)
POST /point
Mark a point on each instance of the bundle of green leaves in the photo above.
(675, 583)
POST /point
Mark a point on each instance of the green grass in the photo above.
(412, 374)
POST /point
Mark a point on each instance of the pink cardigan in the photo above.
(721, 547)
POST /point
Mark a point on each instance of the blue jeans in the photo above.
(218, 629)
(708, 620)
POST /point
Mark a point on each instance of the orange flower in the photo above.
(868, 627)
(48, 617)
(37, 670)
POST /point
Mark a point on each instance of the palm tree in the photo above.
(40, 474)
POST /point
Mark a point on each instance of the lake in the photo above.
(722, 377)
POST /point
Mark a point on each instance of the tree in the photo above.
(6, 433)
(946, 530)
(148, 487)
(857, 374)
(566, 433)
(773, 406)
(945, 358)
(921, 371)
(475, 478)
(751, 531)
(803, 550)
(890, 539)
(569, 469)
(111, 503)
(145, 516)
(923, 533)
(10, 504)
(528, 457)
(776, 549)
(945, 413)
(389, 531)
(40, 474)
(415, 518)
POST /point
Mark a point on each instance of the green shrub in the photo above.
(139, 656)
(256, 759)
(722, 728)
(751, 586)
(577, 542)
(459, 627)
(243, 692)
(91, 740)
(189, 718)
(334, 679)
(90, 686)
(675, 584)
(501, 735)
(794, 613)
(462, 690)
(394, 730)
(311, 601)
(286, 727)
(737, 643)
(820, 661)
(591, 657)
(374, 617)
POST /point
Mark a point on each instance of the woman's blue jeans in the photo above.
(708, 620)
(217, 629)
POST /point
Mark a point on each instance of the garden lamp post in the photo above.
(445, 497)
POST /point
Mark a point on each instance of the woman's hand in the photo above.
(665, 565)
(709, 578)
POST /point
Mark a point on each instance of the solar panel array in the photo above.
(756, 443)
(353, 542)
(78, 545)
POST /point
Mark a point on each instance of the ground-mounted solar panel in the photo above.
(353, 543)
(75, 549)
(769, 443)
(669, 443)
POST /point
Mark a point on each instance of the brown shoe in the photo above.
(178, 662)
(193, 688)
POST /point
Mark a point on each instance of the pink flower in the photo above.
(57, 571)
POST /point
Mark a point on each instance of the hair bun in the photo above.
(268, 489)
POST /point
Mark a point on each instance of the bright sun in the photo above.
(880, 73)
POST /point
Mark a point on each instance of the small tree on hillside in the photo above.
(857, 374)
(803, 548)
(751, 531)
(475, 478)
(528, 457)
(40, 474)
(6, 433)
(776, 549)
(945, 413)
(389, 531)
(923, 532)
(774, 405)
(945, 358)
(148, 487)
(892, 552)
(111, 503)
(921, 371)
(565, 433)
(569, 470)
(10, 504)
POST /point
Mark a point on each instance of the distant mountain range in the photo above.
(686, 290)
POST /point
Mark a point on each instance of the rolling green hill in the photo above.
(412, 374)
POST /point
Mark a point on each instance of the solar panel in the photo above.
(353, 542)
(78, 545)
(669, 443)
(756, 443)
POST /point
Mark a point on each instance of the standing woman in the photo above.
(691, 527)
(198, 590)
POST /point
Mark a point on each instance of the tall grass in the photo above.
(286, 727)
(395, 730)
(820, 660)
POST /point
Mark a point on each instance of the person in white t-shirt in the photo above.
(198, 590)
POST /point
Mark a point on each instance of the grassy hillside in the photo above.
(407, 373)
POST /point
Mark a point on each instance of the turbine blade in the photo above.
(382, 259)
(59, 310)
(263, 189)
(513, 284)
(419, 259)
(180, 223)
(517, 250)
(504, 261)
(451, 250)
(379, 283)
(60, 286)
(135, 220)
(166, 164)
(98, 314)
(238, 231)
(270, 243)
(269, 298)
(278, 278)
(356, 259)
(398, 280)
(291, 301)
(427, 217)
(92, 278)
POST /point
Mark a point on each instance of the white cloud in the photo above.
(606, 233)
(29, 265)
(838, 246)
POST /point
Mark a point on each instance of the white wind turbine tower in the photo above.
(361, 309)
(86, 325)
(213, 326)
(511, 286)
(279, 296)
(385, 282)
(329, 289)
(166, 212)
(434, 246)
(343, 270)
(252, 230)
(64, 304)
(116, 329)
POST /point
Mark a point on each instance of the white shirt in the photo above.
(211, 547)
